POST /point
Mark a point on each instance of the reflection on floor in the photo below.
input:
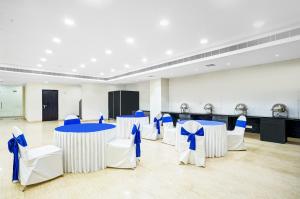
(265, 170)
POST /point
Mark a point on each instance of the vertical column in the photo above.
(159, 96)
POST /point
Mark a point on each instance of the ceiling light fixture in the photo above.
(126, 66)
(144, 60)
(129, 40)
(258, 24)
(101, 74)
(56, 40)
(43, 59)
(48, 51)
(74, 70)
(108, 52)
(277, 55)
(164, 22)
(93, 59)
(204, 41)
(112, 70)
(69, 22)
(82, 66)
(39, 65)
(169, 52)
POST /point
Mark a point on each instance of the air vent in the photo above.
(210, 65)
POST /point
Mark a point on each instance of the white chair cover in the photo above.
(152, 131)
(169, 131)
(121, 153)
(71, 119)
(192, 151)
(236, 137)
(39, 164)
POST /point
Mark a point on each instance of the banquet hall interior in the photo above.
(150, 99)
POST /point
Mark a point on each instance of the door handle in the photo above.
(44, 106)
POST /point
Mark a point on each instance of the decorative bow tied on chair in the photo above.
(137, 139)
(14, 148)
(241, 123)
(101, 119)
(157, 124)
(192, 137)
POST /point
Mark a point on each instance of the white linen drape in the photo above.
(83, 152)
(215, 139)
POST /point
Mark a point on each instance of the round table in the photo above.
(83, 145)
(126, 122)
(215, 137)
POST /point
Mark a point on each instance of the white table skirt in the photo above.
(215, 139)
(83, 152)
(125, 124)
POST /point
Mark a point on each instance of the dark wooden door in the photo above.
(50, 105)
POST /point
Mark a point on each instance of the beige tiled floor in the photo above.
(266, 170)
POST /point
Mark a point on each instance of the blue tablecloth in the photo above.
(205, 122)
(131, 116)
(85, 127)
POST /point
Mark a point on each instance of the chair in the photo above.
(139, 113)
(169, 131)
(123, 153)
(235, 138)
(34, 165)
(192, 144)
(71, 119)
(152, 131)
(101, 118)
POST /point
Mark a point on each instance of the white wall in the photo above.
(95, 100)
(144, 93)
(68, 100)
(259, 87)
(11, 101)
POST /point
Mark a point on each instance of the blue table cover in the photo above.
(85, 127)
(131, 116)
(205, 122)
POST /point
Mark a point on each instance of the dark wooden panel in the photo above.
(293, 128)
(273, 130)
(129, 102)
(117, 104)
(111, 105)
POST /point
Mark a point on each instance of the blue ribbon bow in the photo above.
(72, 121)
(241, 123)
(192, 137)
(167, 119)
(101, 119)
(137, 140)
(14, 148)
(139, 114)
(157, 124)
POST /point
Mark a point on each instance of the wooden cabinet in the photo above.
(273, 130)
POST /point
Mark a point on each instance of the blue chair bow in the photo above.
(137, 140)
(192, 137)
(72, 121)
(167, 119)
(101, 119)
(14, 148)
(241, 123)
(157, 124)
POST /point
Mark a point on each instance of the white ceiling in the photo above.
(27, 28)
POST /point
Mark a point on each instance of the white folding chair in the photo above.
(71, 119)
(169, 131)
(152, 131)
(123, 153)
(139, 113)
(192, 144)
(36, 164)
(235, 138)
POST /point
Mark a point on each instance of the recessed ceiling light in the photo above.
(93, 59)
(74, 70)
(39, 65)
(112, 70)
(204, 41)
(48, 51)
(258, 24)
(129, 40)
(82, 66)
(108, 52)
(69, 22)
(56, 40)
(126, 66)
(101, 74)
(277, 55)
(43, 59)
(228, 63)
(164, 22)
(144, 60)
(169, 52)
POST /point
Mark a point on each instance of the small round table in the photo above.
(126, 122)
(215, 137)
(83, 146)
